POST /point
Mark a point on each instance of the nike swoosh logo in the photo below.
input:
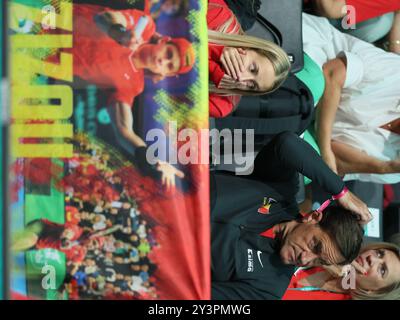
(259, 258)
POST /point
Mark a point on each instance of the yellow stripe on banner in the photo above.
(41, 150)
(41, 41)
(24, 66)
(22, 109)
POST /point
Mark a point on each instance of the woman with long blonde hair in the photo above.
(377, 277)
(239, 64)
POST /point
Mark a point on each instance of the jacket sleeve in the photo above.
(238, 290)
(215, 71)
(288, 154)
(220, 106)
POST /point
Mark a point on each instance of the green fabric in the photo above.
(50, 207)
(310, 138)
(313, 77)
(45, 268)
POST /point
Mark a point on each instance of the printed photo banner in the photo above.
(108, 174)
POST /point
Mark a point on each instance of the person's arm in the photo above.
(352, 160)
(114, 24)
(335, 76)
(109, 18)
(220, 106)
(287, 154)
(332, 9)
(238, 290)
(394, 35)
(122, 122)
(121, 26)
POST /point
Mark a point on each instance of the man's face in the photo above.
(306, 245)
(162, 58)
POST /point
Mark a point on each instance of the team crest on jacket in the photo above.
(267, 203)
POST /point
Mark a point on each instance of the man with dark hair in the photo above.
(341, 227)
(256, 244)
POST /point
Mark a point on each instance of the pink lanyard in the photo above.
(335, 197)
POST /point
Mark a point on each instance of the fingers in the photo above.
(366, 215)
(171, 183)
(228, 66)
(168, 174)
(359, 268)
(233, 61)
(241, 51)
(366, 219)
(227, 82)
(241, 59)
(237, 60)
(179, 174)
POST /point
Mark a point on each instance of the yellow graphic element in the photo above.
(41, 102)
(41, 41)
(22, 12)
(267, 203)
(25, 66)
(22, 109)
(41, 150)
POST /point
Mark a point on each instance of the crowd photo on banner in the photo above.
(117, 193)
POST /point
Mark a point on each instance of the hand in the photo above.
(227, 82)
(129, 40)
(359, 268)
(125, 38)
(329, 157)
(306, 206)
(352, 203)
(233, 61)
(134, 45)
(168, 174)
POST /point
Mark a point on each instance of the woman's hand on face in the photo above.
(232, 60)
(352, 203)
(358, 267)
(227, 82)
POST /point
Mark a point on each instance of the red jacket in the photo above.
(368, 9)
(217, 14)
(310, 295)
(101, 60)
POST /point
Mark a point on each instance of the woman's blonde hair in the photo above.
(391, 292)
(233, 36)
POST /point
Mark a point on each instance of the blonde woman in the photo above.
(377, 277)
(239, 64)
